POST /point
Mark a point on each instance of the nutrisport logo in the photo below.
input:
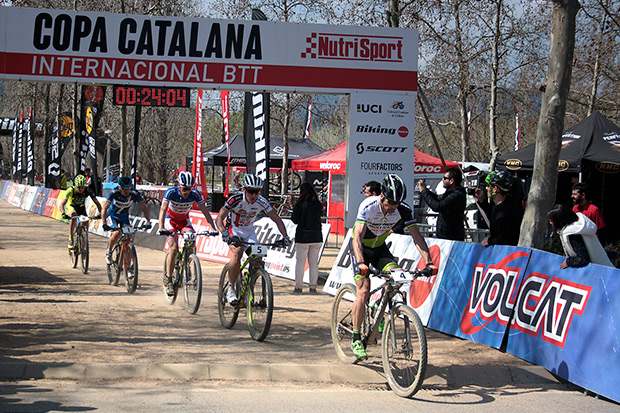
(353, 47)
(545, 305)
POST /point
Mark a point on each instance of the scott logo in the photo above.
(386, 149)
(368, 108)
(548, 305)
(353, 47)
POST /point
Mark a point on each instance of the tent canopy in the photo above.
(594, 139)
(334, 160)
(297, 148)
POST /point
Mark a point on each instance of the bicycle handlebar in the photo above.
(389, 274)
(143, 226)
(278, 244)
(206, 233)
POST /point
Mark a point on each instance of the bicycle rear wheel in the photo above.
(228, 313)
(260, 304)
(114, 271)
(192, 283)
(404, 351)
(171, 298)
(342, 323)
(130, 268)
(83, 243)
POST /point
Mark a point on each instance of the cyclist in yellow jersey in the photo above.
(376, 217)
(76, 198)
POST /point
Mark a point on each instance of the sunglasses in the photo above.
(81, 187)
(393, 203)
(446, 177)
(253, 191)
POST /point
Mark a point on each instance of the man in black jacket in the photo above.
(450, 205)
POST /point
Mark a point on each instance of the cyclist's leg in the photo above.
(72, 224)
(245, 234)
(114, 221)
(173, 246)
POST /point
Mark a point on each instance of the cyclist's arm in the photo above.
(145, 210)
(104, 210)
(162, 213)
(420, 243)
(275, 218)
(96, 201)
(219, 221)
(62, 205)
(207, 214)
(359, 230)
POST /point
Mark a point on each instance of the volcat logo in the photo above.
(368, 108)
(353, 47)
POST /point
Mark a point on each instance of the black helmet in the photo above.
(124, 182)
(500, 179)
(393, 188)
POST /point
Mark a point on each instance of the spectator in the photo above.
(505, 215)
(372, 188)
(308, 238)
(450, 205)
(586, 207)
(578, 235)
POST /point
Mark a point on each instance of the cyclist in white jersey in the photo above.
(240, 212)
(376, 217)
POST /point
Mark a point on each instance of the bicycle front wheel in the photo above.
(342, 323)
(114, 271)
(192, 282)
(130, 267)
(83, 243)
(260, 304)
(404, 351)
(228, 313)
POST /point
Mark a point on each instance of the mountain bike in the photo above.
(124, 258)
(187, 270)
(254, 291)
(79, 252)
(403, 340)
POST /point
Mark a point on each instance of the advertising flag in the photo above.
(224, 95)
(198, 164)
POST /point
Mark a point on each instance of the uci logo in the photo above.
(368, 108)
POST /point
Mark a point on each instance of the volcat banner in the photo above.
(107, 48)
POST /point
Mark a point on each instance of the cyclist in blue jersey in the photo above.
(240, 211)
(376, 217)
(174, 216)
(115, 211)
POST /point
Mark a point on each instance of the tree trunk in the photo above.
(463, 83)
(596, 70)
(393, 13)
(550, 124)
(494, 78)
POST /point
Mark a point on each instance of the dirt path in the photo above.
(53, 313)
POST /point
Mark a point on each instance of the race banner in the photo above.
(19, 166)
(198, 163)
(256, 133)
(224, 97)
(478, 292)
(308, 122)
(14, 148)
(29, 150)
(421, 293)
(381, 130)
(566, 320)
(251, 55)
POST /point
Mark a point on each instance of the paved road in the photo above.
(60, 324)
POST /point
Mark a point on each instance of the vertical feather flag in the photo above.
(224, 95)
(308, 120)
(197, 164)
(517, 130)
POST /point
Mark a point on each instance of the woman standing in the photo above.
(308, 238)
(578, 235)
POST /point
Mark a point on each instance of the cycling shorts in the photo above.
(379, 257)
(181, 225)
(246, 233)
(78, 209)
(117, 220)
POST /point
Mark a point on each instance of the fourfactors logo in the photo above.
(545, 305)
(353, 47)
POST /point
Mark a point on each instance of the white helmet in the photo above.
(186, 179)
(252, 181)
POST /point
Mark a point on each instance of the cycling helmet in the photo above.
(252, 181)
(79, 180)
(500, 179)
(124, 182)
(393, 188)
(186, 179)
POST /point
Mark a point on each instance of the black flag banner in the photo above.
(29, 149)
(256, 128)
(14, 148)
(19, 166)
(53, 154)
(92, 106)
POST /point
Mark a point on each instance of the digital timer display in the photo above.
(151, 96)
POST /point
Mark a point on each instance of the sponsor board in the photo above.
(75, 46)
(566, 321)
(478, 292)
